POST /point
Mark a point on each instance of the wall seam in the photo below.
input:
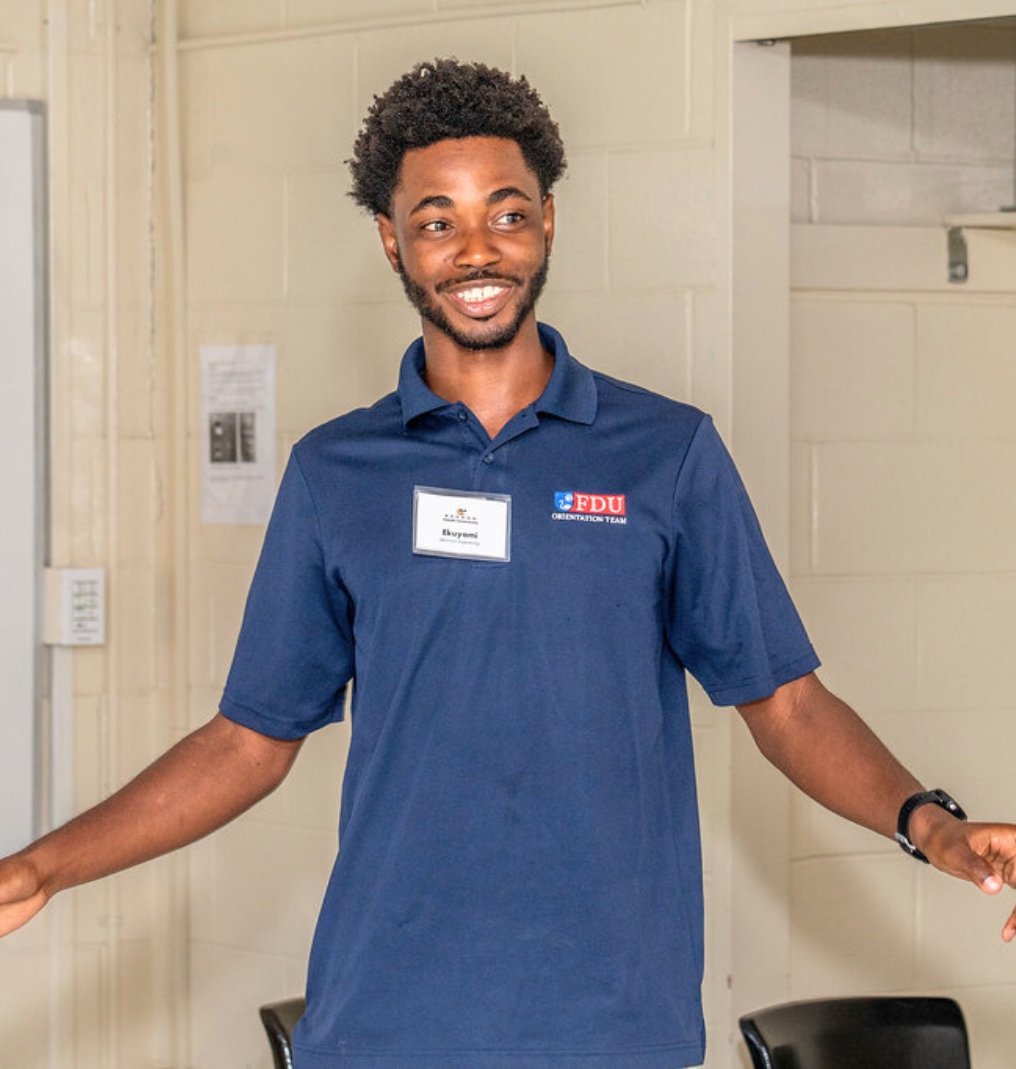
(110, 333)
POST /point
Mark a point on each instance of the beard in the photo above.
(479, 339)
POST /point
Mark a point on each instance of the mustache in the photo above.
(480, 275)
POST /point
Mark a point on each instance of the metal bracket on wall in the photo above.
(959, 270)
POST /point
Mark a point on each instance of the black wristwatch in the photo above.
(936, 797)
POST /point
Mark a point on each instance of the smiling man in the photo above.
(514, 560)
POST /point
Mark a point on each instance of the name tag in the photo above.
(460, 523)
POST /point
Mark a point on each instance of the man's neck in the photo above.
(495, 384)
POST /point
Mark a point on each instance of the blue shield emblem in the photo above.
(564, 500)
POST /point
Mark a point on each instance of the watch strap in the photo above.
(934, 797)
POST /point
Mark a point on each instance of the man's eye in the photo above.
(511, 218)
(435, 226)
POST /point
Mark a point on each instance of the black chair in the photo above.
(279, 1019)
(858, 1033)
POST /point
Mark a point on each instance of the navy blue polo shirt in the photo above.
(519, 878)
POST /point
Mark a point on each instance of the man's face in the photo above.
(470, 236)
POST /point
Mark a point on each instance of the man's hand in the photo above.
(983, 854)
(21, 893)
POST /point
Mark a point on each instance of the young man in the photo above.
(516, 559)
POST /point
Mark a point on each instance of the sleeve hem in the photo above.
(273, 726)
(759, 687)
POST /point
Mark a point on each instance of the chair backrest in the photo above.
(859, 1033)
(279, 1019)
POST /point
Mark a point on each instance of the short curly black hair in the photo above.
(450, 99)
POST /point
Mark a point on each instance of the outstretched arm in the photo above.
(203, 782)
(825, 748)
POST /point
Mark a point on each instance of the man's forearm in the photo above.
(203, 782)
(828, 751)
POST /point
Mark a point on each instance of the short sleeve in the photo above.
(294, 654)
(730, 618)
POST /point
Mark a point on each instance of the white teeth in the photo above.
(481, 293)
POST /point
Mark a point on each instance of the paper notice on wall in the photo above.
(237, 433)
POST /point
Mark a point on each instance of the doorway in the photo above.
(849, 426)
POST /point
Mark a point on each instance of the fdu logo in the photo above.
(590, 504)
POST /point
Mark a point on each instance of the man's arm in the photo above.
(203, 782)
(825, 748)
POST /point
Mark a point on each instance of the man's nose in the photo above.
(477, 248)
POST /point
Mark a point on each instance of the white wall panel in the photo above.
(22, 290)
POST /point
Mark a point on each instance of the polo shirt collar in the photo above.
(570, 393)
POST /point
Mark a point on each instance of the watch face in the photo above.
(948, 803)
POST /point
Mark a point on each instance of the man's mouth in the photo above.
(480, 293)
(479, 300)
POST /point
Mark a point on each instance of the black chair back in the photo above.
(859, 1033)
(279, 1019)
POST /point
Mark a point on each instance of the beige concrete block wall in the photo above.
(904, 510)
(904, 570)
(891, 126)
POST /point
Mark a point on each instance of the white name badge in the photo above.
(460, 523)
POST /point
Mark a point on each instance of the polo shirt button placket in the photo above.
(490, 469)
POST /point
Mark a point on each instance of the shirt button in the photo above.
(489, 458)
(462, 415)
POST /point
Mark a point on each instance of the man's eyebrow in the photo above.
(436, 201)
(505, 194)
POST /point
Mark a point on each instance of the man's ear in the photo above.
(548, 221)
(386, 230)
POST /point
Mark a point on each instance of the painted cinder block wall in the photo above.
(163, 967)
